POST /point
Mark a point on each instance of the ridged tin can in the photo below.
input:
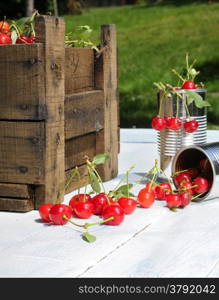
(192, 156)
(171, 141)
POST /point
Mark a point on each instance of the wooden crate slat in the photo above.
(22, 82)
(77, 148)
(20, 205)
(79, 70)
(106, 79)
(50, 31)
(84, 113)
(22, 152)
(15, 190)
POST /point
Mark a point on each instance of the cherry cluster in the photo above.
(173, 123)
(12, 33)
(178, 191)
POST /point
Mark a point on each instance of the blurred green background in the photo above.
(153, 37)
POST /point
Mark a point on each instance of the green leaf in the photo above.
(87, 237)
(94, 182)
(124, 188)
(193, 96)
(100, 158)
(14, 37)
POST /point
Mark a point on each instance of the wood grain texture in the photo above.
(54, 67)
(77, 148)
(79, 70)
(22, 152)
(15, 190)
(106, 79)
(22, 82)
(84, 113)
(19, 205)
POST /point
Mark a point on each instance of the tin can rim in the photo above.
(196, 147)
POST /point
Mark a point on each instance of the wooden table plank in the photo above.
(181, 244)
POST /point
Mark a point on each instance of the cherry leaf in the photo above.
(94, 182)
(100, 158)
(87, 237)
(193, 96)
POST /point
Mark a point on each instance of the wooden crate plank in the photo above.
(79, 70)
(22, 152)
(21, 82)
(106, 79)
(15, 190)
(74, 184)
(77, 148)
(20, 205)
(84, 113)
(54, 57)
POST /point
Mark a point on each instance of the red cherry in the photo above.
(44, 210)
(79, 198)
(189, 85)
(109, 203)
(173, 200)
(158, 123)
(23, 39)
(202, 185)
(127, 204)
(186, 186)
(185, 198)
(5, 39)
(146, 198)
(99, 201)
(190, 126)
(182, 176)
(162, 189)
(84, 210)
(174, 123)
(4, 27)
(57, 213)
(114, 211)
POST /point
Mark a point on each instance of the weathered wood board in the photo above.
(57, 105)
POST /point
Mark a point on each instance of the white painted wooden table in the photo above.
(152, 242)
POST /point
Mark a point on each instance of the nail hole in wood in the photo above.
(23, 169)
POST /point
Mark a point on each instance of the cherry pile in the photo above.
(18, 32)
(111, 207)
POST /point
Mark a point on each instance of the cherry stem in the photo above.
(98, 223)
(121, 180)
(177, 106)
(193, 198)
(86, 225)
(178, 172)
(69, 180)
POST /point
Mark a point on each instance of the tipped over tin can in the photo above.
(206, 158)
(171, 141)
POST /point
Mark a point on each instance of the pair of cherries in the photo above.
(173, 123)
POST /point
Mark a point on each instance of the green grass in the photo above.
(151, 41)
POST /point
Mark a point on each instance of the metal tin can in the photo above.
(171, 141)
(206, 158)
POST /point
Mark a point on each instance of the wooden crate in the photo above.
(57, 104)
